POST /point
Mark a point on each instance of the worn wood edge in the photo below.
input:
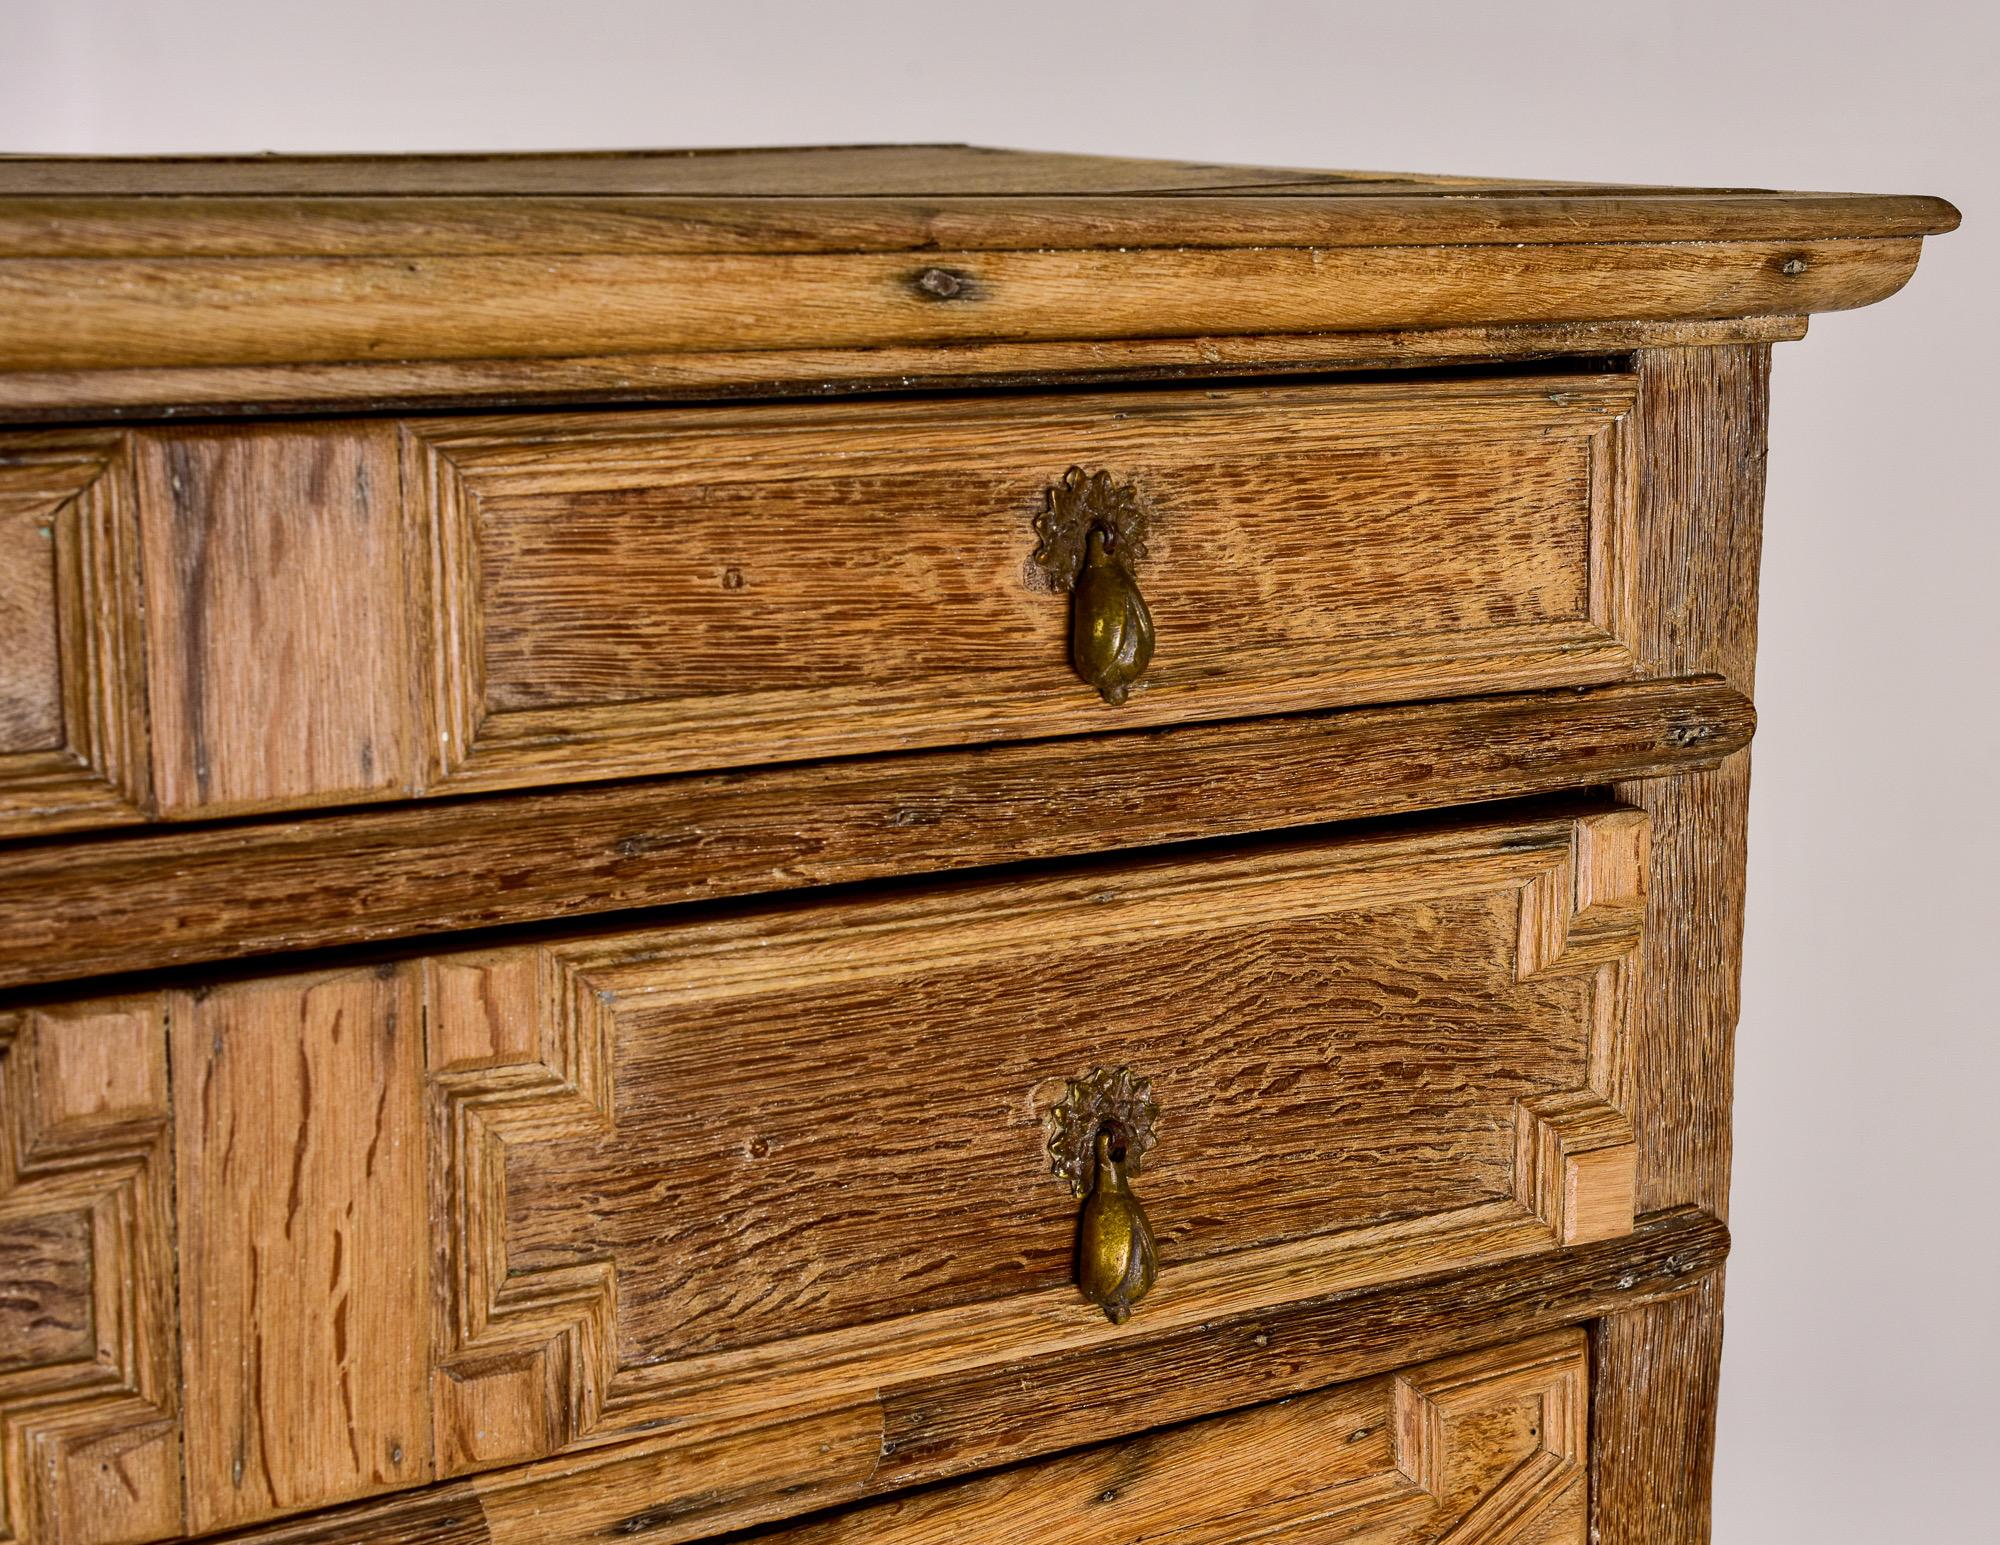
(1656, 1372)
(869, 168)
(1017, 1410)
(310, 225)
(87, 314)
(1702, 418)
(185, 392)
(922, 1432)
(141, 900)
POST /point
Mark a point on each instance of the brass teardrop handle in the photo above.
(1098, 1137)
(1091, 531)
(1115, 1259)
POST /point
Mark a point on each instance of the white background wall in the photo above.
(1859, 1392)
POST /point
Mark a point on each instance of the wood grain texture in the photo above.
(733, 1218)
(761, 172)
(596, 597)
(953, 182)
(659, 592)
(695, 1482)
(72, 682)
(1486, 1447)
(282, 223)
(1702, 481)
(109, 265)
(304, 1281)
(942, 1426)
(31, 690)
(1295, 1007)
(71, 909)
(91, 313)
(90, 1438)
(54, 395)
(273, 562)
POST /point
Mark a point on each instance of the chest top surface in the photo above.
(838, 186)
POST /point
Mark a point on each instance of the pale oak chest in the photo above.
(889, 844)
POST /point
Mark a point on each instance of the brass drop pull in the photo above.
(1115, 1259)
(1091, 532)
(1099, 1134)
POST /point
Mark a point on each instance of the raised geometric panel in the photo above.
(72, 718)
(89, 1395)
(1309, 547)
(1444, 1441)
(633, 1135)
(1474, 1450)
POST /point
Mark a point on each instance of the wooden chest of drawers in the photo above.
(1128, 932)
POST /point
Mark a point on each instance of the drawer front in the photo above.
(471, 1209)
(1475, 1450)
(678, 590)
(807, 1150)
(360, 611)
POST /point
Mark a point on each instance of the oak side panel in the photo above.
(1703, 415)
(275, 628)
(304, 1284)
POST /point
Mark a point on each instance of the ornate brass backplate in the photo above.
(1099, 1134)
(1090, 533)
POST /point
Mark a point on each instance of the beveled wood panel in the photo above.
(200, 622)
(656, 592)
(1473, 1450)
(1382, 1057)
(1376, 1057)
(72, 684)
(79, 907)
(90, 1433)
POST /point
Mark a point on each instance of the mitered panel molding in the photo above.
(70, 637)
(90, 1433)
(1435, 1405)
(1545, 599)
(1576, 1154)
(1471, 1450)
(521, 1052)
